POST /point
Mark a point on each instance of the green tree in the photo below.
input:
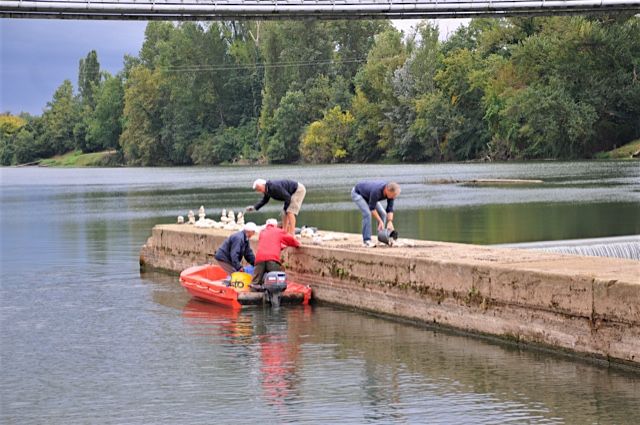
(367, 115)
(209, 82)
(156, 38)
(327, 140)
(189, 99)
(22, 150)
(60, 118)
(213, 92)
(468, 36)
(89, 79)
(461, 82)
(228, 145)
(433, 129)
(244, 85)
(294, 54)
(352, 40)
(105, 125)
(141, 139)
(413, 79)
(6, 150)
(287, 127)
(9, 126)
(596, 62)
(374, 85)
(544, 121)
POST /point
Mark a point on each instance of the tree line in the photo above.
(349, 91)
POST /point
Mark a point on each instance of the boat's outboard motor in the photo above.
(274, 284)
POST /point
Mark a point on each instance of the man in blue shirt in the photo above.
(234, 248)
(367, 196)
(289, 191)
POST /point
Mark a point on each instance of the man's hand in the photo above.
(390, 225)
(380, 225)
(250, 208)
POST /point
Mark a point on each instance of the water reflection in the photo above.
(218, 322)
(274, 334)
(577, 200)
(345, 366)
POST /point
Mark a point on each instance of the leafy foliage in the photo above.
(89, 79)
(60, 119)
(360, 91)
(228, 145)
(327, 140)
(105, 125)
(286, 128)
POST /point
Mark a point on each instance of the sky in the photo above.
(37, 55)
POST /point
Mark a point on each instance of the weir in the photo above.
(614, 247)
(588, 306)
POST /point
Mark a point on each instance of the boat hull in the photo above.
(206, 283)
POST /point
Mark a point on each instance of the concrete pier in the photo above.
(588, 306)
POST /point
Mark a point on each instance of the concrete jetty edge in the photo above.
(587, 306)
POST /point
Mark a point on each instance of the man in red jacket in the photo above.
(271, 242)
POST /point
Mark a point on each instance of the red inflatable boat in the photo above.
(210, 283)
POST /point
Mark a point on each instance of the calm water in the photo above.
(86, 339)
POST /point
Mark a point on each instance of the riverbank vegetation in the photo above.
(630, 150)
(349, 91)
(78, 159)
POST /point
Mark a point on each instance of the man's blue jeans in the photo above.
(366, 214)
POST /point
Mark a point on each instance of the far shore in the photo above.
(113, 158)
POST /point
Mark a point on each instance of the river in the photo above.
(85, 338)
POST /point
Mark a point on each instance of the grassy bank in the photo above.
(623, 152)
(79, 159)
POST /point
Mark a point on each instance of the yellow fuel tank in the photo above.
(241, 281)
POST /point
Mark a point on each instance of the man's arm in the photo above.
(287, 201)
(375, 214)
(389, 208)
(390, 221)
(289, 240)
(248, 255)
(262, 202)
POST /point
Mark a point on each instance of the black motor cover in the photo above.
(275, 283)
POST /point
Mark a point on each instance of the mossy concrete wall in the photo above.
(585, 305)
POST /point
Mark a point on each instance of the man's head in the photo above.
(392, 190)
(272, 222)
(259, 185)
(250, 229)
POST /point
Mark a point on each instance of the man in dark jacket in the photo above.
(289, 191)
(367, 196)
(234, 248)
